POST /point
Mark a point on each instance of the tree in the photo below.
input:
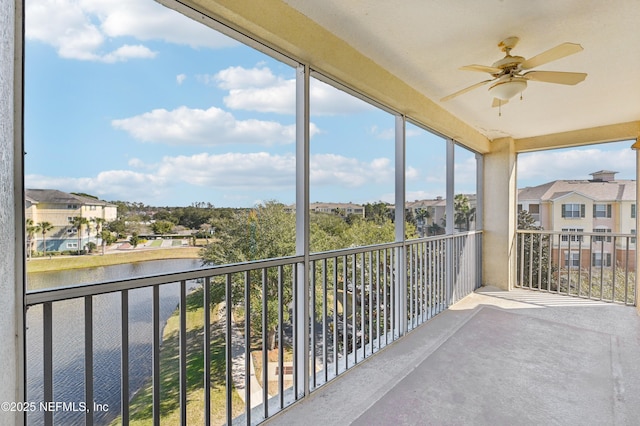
(264, 232)
(134, 240)
(107, 238)
(421, 215)
(78, 222)
(463, 212)
(160, 227)
(31, 230)
(99, 224)
(536, 251)
(44, 227)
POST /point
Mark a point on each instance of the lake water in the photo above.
(68, 337)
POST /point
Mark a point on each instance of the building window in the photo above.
(602, 238)
(573, 210)
(596, 259)
(572, 259)
(633, 239)
(69, 219)
(633, 211)
(72, 231)
(602, 210)
(72, 206)
(72, 245)
(573, 237)
(93, 207)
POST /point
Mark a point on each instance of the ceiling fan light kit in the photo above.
(507, 88)
(508, 77)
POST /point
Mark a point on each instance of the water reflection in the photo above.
(68, 337)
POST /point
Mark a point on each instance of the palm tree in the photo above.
(31, 229)
(44, 227)
(99, 222)
(421, 215)
(464, 213)
(78, 222)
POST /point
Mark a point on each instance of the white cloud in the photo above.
(541, 167)
(258, 89)
(108, 185)
(126, 52)
(210, 127)
(256, 171)
(235, 176)
(80, 29)
(332, 169)
(180, 78)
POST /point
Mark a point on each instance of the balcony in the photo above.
(326, 315)
(495, 358)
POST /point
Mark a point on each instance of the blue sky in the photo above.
(118, 107)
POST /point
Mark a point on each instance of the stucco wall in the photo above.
(8, 308)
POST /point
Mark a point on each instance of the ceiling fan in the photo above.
(509, 79)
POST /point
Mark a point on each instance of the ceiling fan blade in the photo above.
(481, 68)
(557, 77)
(498, 102)
(555, 53)
(465, 90)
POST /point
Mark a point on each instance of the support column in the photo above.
(302, 229)
(400, 308)
(499, 215)
(11, 211)
(636, 147)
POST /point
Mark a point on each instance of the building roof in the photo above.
(619, 190)
(54, 196)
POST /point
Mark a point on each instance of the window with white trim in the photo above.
(602, 238)
(573, 210)
(602, 210)
(597, 259)
(572, 259)
(72, 245)
(574, 237)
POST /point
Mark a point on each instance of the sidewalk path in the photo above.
(238, 363)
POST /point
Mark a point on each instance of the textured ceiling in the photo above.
(424, 44)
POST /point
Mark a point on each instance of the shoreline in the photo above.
(60, 263)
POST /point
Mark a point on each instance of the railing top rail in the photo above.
(35, 297)
(443, 236)
(591, 234)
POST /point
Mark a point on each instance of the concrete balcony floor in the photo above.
(495, 358)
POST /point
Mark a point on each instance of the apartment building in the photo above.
(601, 205)
(59, 209)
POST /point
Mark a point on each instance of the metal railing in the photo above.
(591, 265)
(236, 334)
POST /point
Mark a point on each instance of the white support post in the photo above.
(12, 240)
(302, 228)
(636, 147)
(401, 288)
(479, 215)
(450, 215)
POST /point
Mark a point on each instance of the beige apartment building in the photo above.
(598, 205)
(59, 209)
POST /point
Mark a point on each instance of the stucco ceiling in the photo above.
(424, 44)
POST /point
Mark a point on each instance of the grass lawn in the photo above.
(95, 260)
(141, 411)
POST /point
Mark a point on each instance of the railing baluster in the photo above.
(247, 346)
(615, 265)
(206, 302)
(156, 355)
(124, 356)
(325, 339)
(345, 334)
(371, 301)
(183, 352)
(265, 346)
(47, 345)
(88, 358)
(312, 291)
(335, 315)
(229, 345)
(280, 337)
(354, 309)
(362, 317)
